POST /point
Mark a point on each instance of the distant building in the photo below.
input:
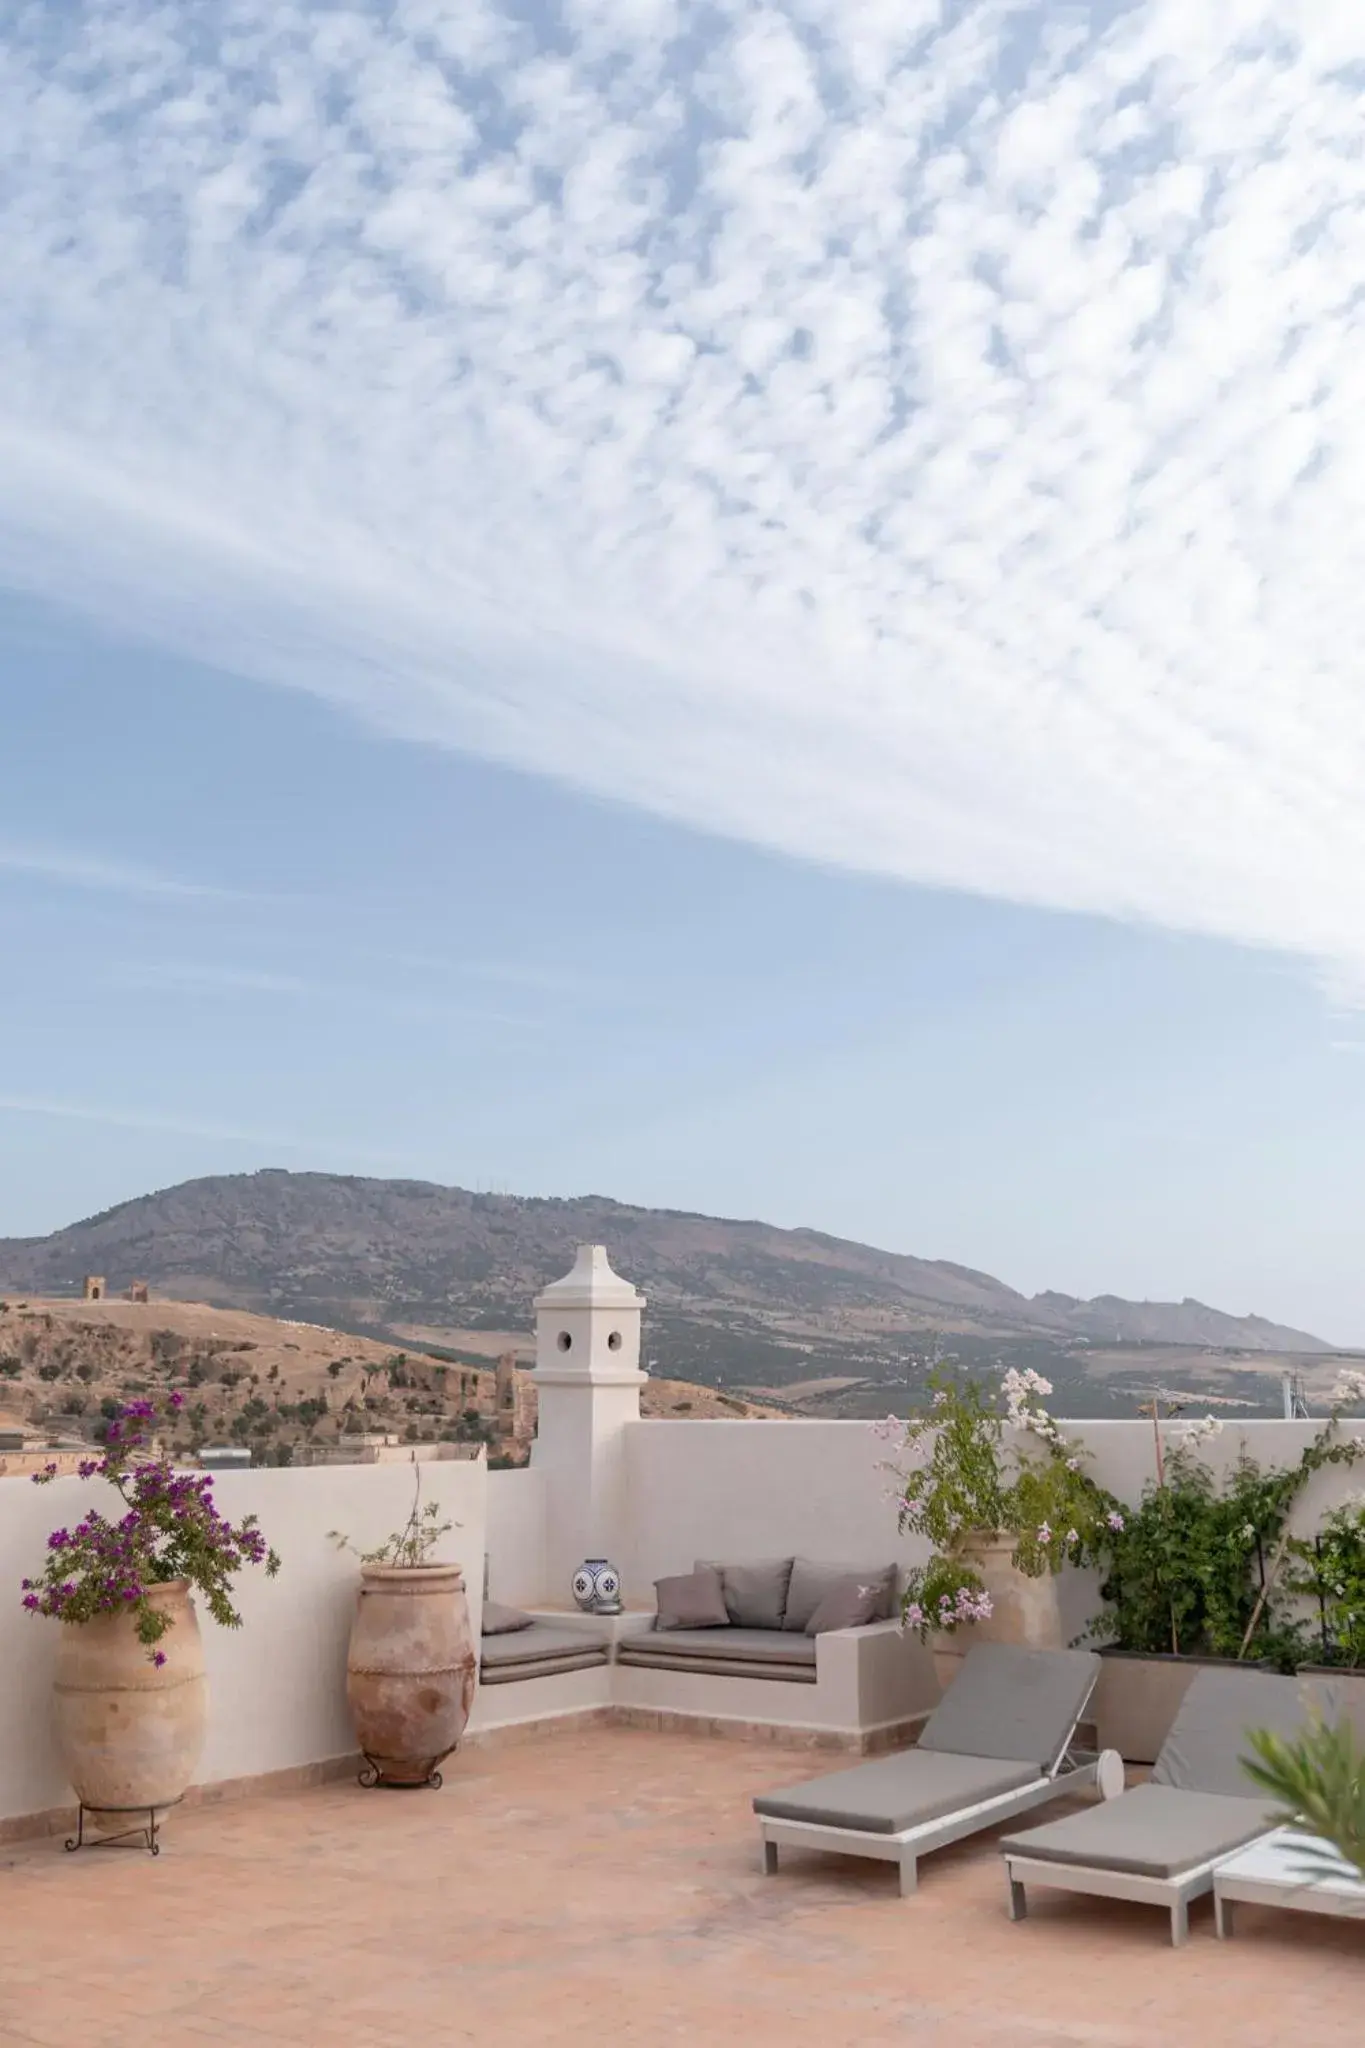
(375, 1449)
(137, 1290)
(21, 1455)
(224, 1457)
(95, 1287)
(513, 1401)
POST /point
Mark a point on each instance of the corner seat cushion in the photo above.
(503, 1621)
(540, 1643)
(1152, 1831)
(896, 1792)
(721, 1645)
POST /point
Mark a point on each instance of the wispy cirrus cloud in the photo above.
(392, 995)
(69, 868)
(927, 436)
(191, 1125)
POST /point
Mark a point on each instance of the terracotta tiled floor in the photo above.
(605, 1887)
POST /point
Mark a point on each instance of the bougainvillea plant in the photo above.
(170, 1529)
(990, 1462)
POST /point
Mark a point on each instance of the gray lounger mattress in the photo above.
(1152, 1831)
(896, 1792)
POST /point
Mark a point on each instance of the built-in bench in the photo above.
(540, 1651)
(854, 1687)
(764, 1653)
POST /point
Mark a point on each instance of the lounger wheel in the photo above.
(1109, 1774)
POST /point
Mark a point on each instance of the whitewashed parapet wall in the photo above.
(656, 1495)
(277, 1684)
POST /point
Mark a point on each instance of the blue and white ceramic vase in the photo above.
(597, 1587)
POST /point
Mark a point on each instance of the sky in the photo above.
(752, 607)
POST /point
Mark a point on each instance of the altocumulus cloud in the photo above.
(925, 437)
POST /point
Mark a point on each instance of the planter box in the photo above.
(1348, 1683)
(1138, 1697)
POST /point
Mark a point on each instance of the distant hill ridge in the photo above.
(378, 1254)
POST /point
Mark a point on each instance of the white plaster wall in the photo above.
(771, 1489)
(756, 1489)
(517, 1570)
(277, 1685)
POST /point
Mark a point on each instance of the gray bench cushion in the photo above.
(542, 1640)
(1208, 1738)
(1019, 1705)
(721, 1645)
(1152, 1831)
(810, 1582)
(541, 1667)
(896, 1792)
(755, 1594)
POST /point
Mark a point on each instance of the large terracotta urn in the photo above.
(130, 1732)
(1024, 1610)
(410, 1671)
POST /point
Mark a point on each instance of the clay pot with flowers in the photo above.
(130, 1694)
(1004, 1500)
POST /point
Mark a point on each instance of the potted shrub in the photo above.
(130, 1695)
(1004, 1499)
(1198, 1573)
(411, 1666)
(1318, 1779)
(1328, 1571)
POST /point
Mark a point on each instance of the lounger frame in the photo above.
(1174, 1893)
(1073, 1771)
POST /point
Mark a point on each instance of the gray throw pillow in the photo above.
(692, 1600)
(755, 1594)
(502, 1621)
(810, 1582)
(852, 1603)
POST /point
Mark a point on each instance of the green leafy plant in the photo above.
(1318, 1780)
(411, 1545)
(1200, 1568)
(990, 1462)
(1329, 1570)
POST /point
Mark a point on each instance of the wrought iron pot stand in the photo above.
(372, 1774)
(144, 1834)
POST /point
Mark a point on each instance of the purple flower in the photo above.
(1115, 1521)
(158, 1658)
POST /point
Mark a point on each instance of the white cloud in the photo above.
(929, 438)
(157, 1120)
(69, 868)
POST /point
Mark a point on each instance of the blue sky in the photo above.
(265, 936)
(754, 607)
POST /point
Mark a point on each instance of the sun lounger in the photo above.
(1161, 1842)
(998, 1744)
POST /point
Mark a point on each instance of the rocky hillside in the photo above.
(735, 1303)
(284, 1388)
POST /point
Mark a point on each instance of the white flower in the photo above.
(1195, 1433)
(1248, 1533)
(1115, 1521)
(1044, 1533)
(1073, 1464)
(1073, 1535)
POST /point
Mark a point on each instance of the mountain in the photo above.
(734, 1303)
